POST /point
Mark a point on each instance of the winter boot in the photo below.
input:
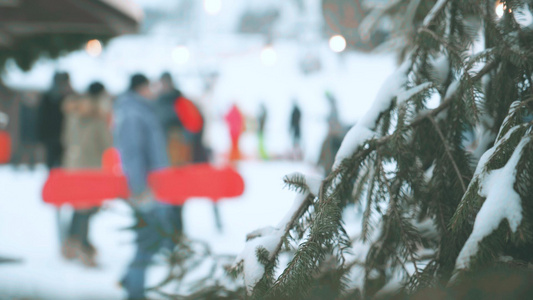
(70, 249)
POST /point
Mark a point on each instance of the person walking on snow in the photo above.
(235, 121)
(29, 142)
(261, 131)
(295, 130)
(86, 136)
(50, 119)
(140, 140)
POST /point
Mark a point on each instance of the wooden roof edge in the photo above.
(127, 7)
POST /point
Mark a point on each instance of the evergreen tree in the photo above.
(436, 207)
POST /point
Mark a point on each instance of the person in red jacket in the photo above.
(235, 121)
(183, 124)
(5, 140)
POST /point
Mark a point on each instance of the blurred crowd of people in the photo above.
(146, 126)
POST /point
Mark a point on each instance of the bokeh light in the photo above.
(181, 55)
(269, 56)
(337, 43)
(94, 48)
(499, 9)
(213, 7)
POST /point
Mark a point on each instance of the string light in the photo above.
(269, 56)
(213, 7)
(337, 43)
(499, 10)
(181, 55)
(93, 48)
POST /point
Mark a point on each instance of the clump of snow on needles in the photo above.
(252, 268)
(452, 89)
(312, 182)
(502, 202)
(364, 129)
(408, 94)
(432, 13)
(270, 238)
(523, 16)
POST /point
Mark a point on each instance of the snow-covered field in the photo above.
(28, 231)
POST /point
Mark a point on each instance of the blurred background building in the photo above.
(43, 30)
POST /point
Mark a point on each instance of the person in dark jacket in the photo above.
(28, 114)
(165, 103)
(50, 119)
(140, 140)
(178, 148)
(183, 145)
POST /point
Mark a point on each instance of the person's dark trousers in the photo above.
(176, 219)
(29, 150)
(156, 230)
(79, 227)
(54, 153)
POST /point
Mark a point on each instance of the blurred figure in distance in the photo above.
(295, 130)
(261, 119)
(50, 118)
(28, 145)
(85, 138)
(183, 123)
(5, 139)
(140, 140)
(179, 151)
(235, 121)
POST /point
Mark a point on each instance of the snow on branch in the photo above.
(393, 87)
(364, 129)
(410, 93)
(271, 239)
(301, 183)
(523, 16)
(502, 202)
(253, 269)
(508, 121)
(370, 21)
(452, 89)
(439, 6)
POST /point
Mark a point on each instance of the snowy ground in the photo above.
(28, 231)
